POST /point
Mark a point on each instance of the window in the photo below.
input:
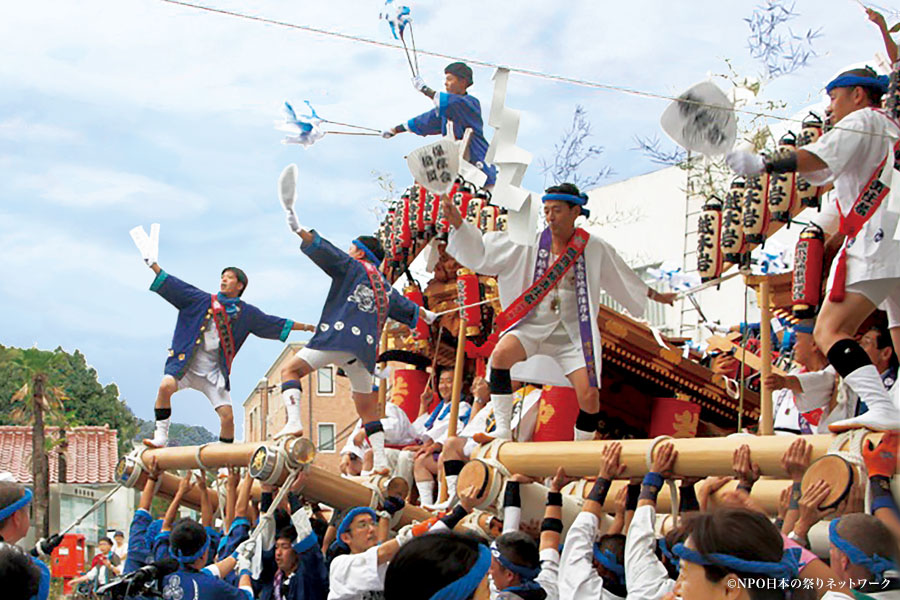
(326, 437)
(325, 380)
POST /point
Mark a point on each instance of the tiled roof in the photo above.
(90, 458)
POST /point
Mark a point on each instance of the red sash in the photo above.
(531, 297)
(868, 202)
(381, 295)
(223, 326)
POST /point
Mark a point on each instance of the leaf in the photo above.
(895, 28)
(19, 395)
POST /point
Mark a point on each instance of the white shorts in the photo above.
(470, 447)
(218, 396)
(883, 293)
(361, 381)
(558, 346)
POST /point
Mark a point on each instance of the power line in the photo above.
(520, 70)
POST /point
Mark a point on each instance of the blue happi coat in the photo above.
(349, 320)
(464, 111)
(194, 316)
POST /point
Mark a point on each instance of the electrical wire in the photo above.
(520, 70)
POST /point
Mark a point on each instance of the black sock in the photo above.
(453, 467)
(847, 356)
(501, 382)
(373, 427)
(226, 440)
(162, 413)
(587, 421)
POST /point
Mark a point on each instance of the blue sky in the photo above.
(116, 113)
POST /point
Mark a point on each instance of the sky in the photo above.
(117, 113)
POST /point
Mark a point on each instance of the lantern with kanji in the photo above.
(422, 331)
(468, 292)
(806, 283)
(807, 193)
(733, 247)
(488, 218)
(782, 186)
(709, 231)
(755, 211)
(474, 211)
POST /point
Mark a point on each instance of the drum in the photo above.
(488, 482)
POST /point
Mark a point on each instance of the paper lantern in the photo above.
(422, 331)
(755, 210)
(675, 417)
(474, 211)
(709, 233)
(468, 292)
(733, 247)
(806, 282)
(487, 220)
(807, 193)
(556, 415)
(782, 186)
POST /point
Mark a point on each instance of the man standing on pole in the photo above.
(550, 293)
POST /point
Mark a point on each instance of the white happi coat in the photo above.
(852, 152)
(513, 265)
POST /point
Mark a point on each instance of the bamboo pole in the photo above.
(766, 423)
(697, 457)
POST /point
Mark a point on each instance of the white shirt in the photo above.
(441, 425)
(549, 575)
(205, 361)
(578, 579)
(818, 388)
(513, 265)
(852, 157)
(645, 575)
(353, 576)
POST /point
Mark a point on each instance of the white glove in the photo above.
(147, 245)
(745, 163)
(404, 534)
(287, 187)
(418, 83)
(428, 316)
(292, 222)
(388, 134)
(245, 553)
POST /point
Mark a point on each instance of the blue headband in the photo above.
(664, 548)
(19, 504)
(348, 518)
(787, 568)
(580, 200)
(466, 585)
(365, 250)
(875, 564)
(609, 562)
(189, 558)
(524, 572)
(879, 83)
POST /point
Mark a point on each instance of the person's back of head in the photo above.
(20, 576)
(14, 521)
(747, 546)
(429, 563)
(862, 547)
(188, 542)
(609, 556)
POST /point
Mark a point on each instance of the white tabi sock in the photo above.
(291, 399)
(161, 435)
(503, 406)
(583, 435)
(379, 459)
(882, 413)
(451, 485)
(426, 492)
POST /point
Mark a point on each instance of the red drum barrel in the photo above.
(556, 415)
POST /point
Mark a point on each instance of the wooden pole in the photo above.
(212, 456)
(458, 375)
(697, 457)
(766, 422)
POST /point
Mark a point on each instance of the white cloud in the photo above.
(18, 129)
(93, 188)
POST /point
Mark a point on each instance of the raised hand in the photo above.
(796, 458)
(610, 467)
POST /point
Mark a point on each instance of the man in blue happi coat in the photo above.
(358, 304)
(456, 106)
(208, 334)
